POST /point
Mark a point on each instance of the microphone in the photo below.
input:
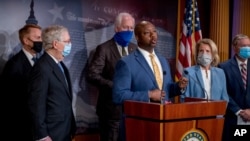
(204, 91)
(164, 72)
(163, 98)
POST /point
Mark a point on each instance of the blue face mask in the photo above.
(244, 52)
(67, 49)
(123, 38)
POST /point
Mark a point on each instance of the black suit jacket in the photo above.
(101, 72)
(50, 100)
(14, 91)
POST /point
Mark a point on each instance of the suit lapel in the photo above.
(142, 61)
(58, 73)
(213, 85)
(131, 48)
(198, 76)
(67, 75)
(26, 63)
(114, 49)
(236, 72)
(248, 84)
(248, 75)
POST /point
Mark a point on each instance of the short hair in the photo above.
(237, 38)
(51, 34)
(139, 26)
(26, 30)
(120, 16)
(213, 47)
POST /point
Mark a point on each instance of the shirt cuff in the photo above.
(238, 112)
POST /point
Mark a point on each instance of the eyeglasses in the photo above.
(67, 42)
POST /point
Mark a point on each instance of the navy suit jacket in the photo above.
(134, 78)
(196, 86)
(14, 83)
(50, 100)
(239, 98)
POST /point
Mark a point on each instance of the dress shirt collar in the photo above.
(29, 56)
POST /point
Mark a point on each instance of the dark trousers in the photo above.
(109, 129)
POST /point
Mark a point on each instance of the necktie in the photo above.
(61, 68)
(244, 73)
(34, 59)
(124, 53)
(156, 71)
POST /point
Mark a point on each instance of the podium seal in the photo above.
(194, 135)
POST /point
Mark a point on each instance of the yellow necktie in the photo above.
(156, 71)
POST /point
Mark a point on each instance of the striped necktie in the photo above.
(156, 71)
(244, 74)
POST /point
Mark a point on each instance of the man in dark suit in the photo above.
(239, 93)
(135, 75)
(101, 71)
(50, 91)
(14, 83)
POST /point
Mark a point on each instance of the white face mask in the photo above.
(204, 59)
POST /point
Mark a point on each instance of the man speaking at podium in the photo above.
(135, 75)
(144, 75)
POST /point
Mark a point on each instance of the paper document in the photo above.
(240, 121)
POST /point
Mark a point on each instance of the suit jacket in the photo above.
(50, 100)
(134, 78)
(101, 72)
(239, 98)
(196, 86)
(14, 89)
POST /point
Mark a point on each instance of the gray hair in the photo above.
(119, 17)
(51, 34)
(237, 38)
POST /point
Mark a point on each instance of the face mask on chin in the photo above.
(244, 52)
(123, 37)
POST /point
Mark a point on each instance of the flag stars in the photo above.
(187, 41)
(56, 12)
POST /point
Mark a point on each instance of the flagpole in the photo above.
(193, 35)
(178, 34)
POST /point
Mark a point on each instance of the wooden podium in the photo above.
(192, 120)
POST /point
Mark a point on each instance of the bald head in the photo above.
(141, 26)
(146, 35)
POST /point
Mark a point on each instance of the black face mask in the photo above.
(37, 46)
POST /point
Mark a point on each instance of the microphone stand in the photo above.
(204, 91)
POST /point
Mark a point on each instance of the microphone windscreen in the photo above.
(164, 72)
(186, 72)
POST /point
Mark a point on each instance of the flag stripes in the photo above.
(191, 33)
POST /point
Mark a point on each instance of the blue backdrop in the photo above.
(90, 23)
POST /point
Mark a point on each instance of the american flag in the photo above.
(191, 33)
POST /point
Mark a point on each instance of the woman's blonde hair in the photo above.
(213, 47)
